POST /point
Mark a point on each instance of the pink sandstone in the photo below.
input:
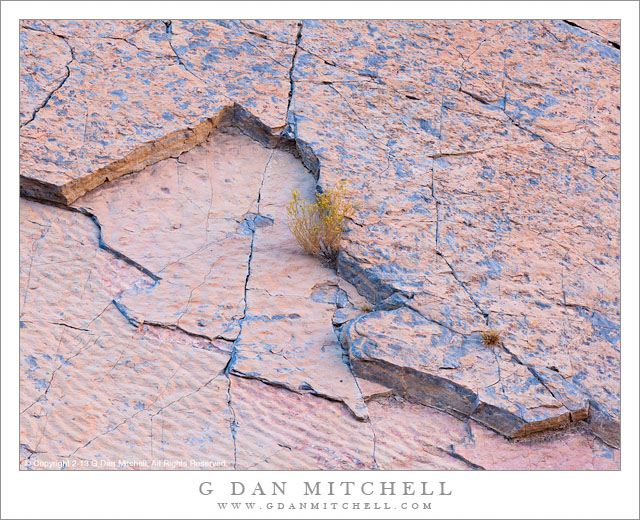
(170, 314)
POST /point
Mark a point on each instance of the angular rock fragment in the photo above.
(165, 91)
(438, 367)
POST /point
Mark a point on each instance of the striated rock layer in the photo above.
(170, 314)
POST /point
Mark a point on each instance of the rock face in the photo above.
(170, 313)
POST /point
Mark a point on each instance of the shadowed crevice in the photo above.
(609, 42)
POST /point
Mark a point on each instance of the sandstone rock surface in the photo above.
(170, 314)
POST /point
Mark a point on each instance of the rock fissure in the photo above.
(537, 136)
(268, 457)
(302, 390)
(532, 370)
(177, 56)
(232, 358)
(101, 242)
(46, 100)
(484, 313)
(613, 44)
(248, 277)
(185, 396)
(370, 420)
(451, 453)
(139, 323)
(102, 434)
(364, 125)
(34, 247)
(231, 361)
(62, 82)
(288, 125)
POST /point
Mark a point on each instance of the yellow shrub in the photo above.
(318, 227)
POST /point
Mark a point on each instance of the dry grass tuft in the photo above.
(366, 307)
(318, 227)
(491, 337)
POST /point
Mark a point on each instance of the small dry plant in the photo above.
(491, 337)
(366, 307)
(318, 227)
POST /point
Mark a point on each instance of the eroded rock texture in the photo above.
(170, 315)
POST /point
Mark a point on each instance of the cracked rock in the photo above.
(435, 366)
(484, 157)
(249, 282)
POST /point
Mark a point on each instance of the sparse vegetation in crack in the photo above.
(491, 337)
(367, 306)
(318, 226)
(392, 248)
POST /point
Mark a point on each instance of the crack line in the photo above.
(169, 32)
(101, 242)
(609, 42)
(484, 313)
(133, 321)
(451, 453)
(291, 129)
(64, 79)
(234, 422)
(232, 358)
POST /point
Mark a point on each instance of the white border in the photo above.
(173, 494)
